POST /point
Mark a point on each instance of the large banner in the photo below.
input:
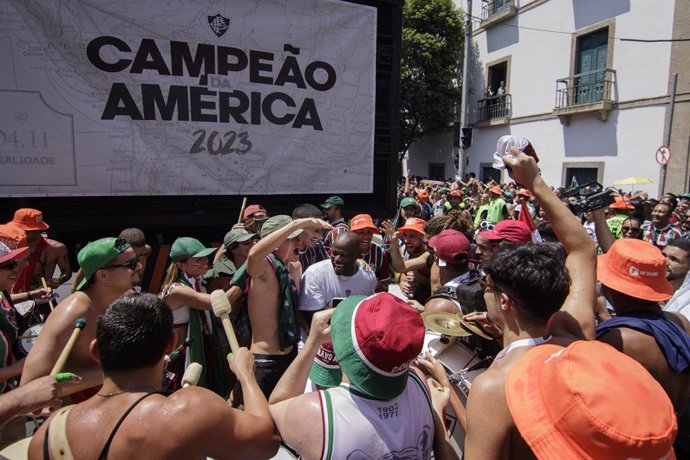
(186, 97)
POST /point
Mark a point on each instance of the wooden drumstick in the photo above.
(50, 300)
(244, 205)
(221, 308)
(79, 324)
(191, 375)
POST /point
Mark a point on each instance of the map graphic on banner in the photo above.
(182, 98)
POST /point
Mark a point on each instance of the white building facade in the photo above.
(594, 104)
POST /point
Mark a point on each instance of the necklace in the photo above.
(129, 390)
(523, 343)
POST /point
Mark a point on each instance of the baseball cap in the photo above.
(514, 231)
(685, 195)
(325, 371)
(361, 222)
(185, 247)
(333, 201)
(413, 224)
(523, 192)
(621, 203)
(375, 340)
(276, 223)
(408, 202)
(237, 235)
(589, 401)
(496, 189)
(422, 194)
(14, 241)
(251, 209)
(29, 219)
(97, 254)
(449, 245)
(635, 268)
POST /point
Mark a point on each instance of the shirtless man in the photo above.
(44, 254)
(415, 265)
(633, 277)
(108, 267)
(532, 299)
(134, 334)
(137, 240)
(273, 297)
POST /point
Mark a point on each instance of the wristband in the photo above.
(28, 295)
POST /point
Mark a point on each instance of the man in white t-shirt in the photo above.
(341, 276)
(325, 283)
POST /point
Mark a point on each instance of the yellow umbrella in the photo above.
(633, 181)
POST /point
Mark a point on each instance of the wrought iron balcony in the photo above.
(585, 92)
(497, 10)
(494, 108)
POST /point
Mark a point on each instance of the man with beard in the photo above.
(677, 253)
(660, 230)
(333, 214)
(377, 256)
(344, 275)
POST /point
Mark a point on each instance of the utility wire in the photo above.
(639, 40)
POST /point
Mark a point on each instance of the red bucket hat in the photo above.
(449, 245)
(635, 268)
(13, 243)
(375, 340)
(513, 231)
(29, 219)
(589, 401)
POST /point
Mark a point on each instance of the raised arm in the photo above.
(576, 316)
(294, 380)
(399, 264)
(604, 236)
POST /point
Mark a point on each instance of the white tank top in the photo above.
(356, 426)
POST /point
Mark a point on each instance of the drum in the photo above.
(463, 365)
(24, 342)
(17, 451)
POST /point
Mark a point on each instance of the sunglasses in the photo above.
(9, 265)
(131, 264)
(486, 226)
(630, 229)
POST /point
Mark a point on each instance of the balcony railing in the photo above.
(585, 88)
(494, 7)
(493, 108)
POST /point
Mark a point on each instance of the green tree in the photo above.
(432, 50)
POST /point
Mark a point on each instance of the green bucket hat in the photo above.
(325, 371)
(375, 340)
(408, 202)
(97, 254)
(276, 223)
(331, 201)
(185, 247)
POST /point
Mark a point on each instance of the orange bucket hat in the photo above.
(361, 222)
(589, 401)
(621, 203)
(29, 219)
(413, 224)
(422, 194)
(635, 268)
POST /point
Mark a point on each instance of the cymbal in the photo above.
(475, 329)
(445, 323)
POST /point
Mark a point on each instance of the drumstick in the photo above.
(79, 324)
(191, 375)
(221, 308)
(244, 205)
(50, 301)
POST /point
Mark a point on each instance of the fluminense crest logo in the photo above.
(218, 24)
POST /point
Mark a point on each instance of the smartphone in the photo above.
(335, 301)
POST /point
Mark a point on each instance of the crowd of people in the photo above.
(581, 309)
